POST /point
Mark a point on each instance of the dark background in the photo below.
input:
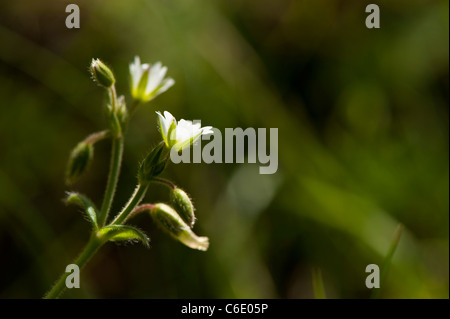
(363, 145)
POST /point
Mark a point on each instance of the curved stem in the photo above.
(113, 177)
(164, 182)
(89, 250)
(95, 137)
(135, 199)
(113, 96)
(140, 209)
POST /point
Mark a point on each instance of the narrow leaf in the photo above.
(123, 232)
(86, 204)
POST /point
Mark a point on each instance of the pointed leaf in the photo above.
(123, 232)
(85, 203)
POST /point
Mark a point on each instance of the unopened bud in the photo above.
(122, 112)
(79, 161)
(168, 219)
(181, 202)
(102, 74)
(153, 164)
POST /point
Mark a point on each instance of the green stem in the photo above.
(95, 137)
(113, 177)
(133, 107)
(135, 199)
(92, 246)
(139, 209)
(114, 170)
(113, 97)
(164, 182)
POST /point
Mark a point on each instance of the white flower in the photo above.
(182, 134)
(147, 81)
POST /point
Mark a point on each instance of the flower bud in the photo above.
(122, 112)
(102, 74)
(153, 164)
(181, 202)
(79, 161)
(168, 219)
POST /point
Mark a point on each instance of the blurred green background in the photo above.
(363, 145)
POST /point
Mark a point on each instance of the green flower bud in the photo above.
(122, 112)
(168, 220)
(79, 160)
(181, 202)
(102, 74)
(153, 164)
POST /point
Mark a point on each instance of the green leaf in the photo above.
(85, 203)
(123, 232)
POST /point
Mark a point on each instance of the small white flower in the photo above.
(182, 134)
(147, 81)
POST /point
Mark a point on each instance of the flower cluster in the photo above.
(176, 217)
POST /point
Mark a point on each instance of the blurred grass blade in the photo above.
(85, 203)
(318, 287)
(123, 232)
(388, 260)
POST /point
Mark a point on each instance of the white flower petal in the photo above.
(135, 72)
(165, 85)
(154, 78)
(169, 117)
(164, 124)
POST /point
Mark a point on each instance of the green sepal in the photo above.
(181, 202)
(102, 74)
(180, 146)
(139, 93)
(153, 164)
(79, 160)
(171, 134)
(170, 222)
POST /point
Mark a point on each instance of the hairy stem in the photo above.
(98, 136)
(114, 170)
(135, 199)
(113, 177)
(164, 181)
(89, 250)
(139, 209)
